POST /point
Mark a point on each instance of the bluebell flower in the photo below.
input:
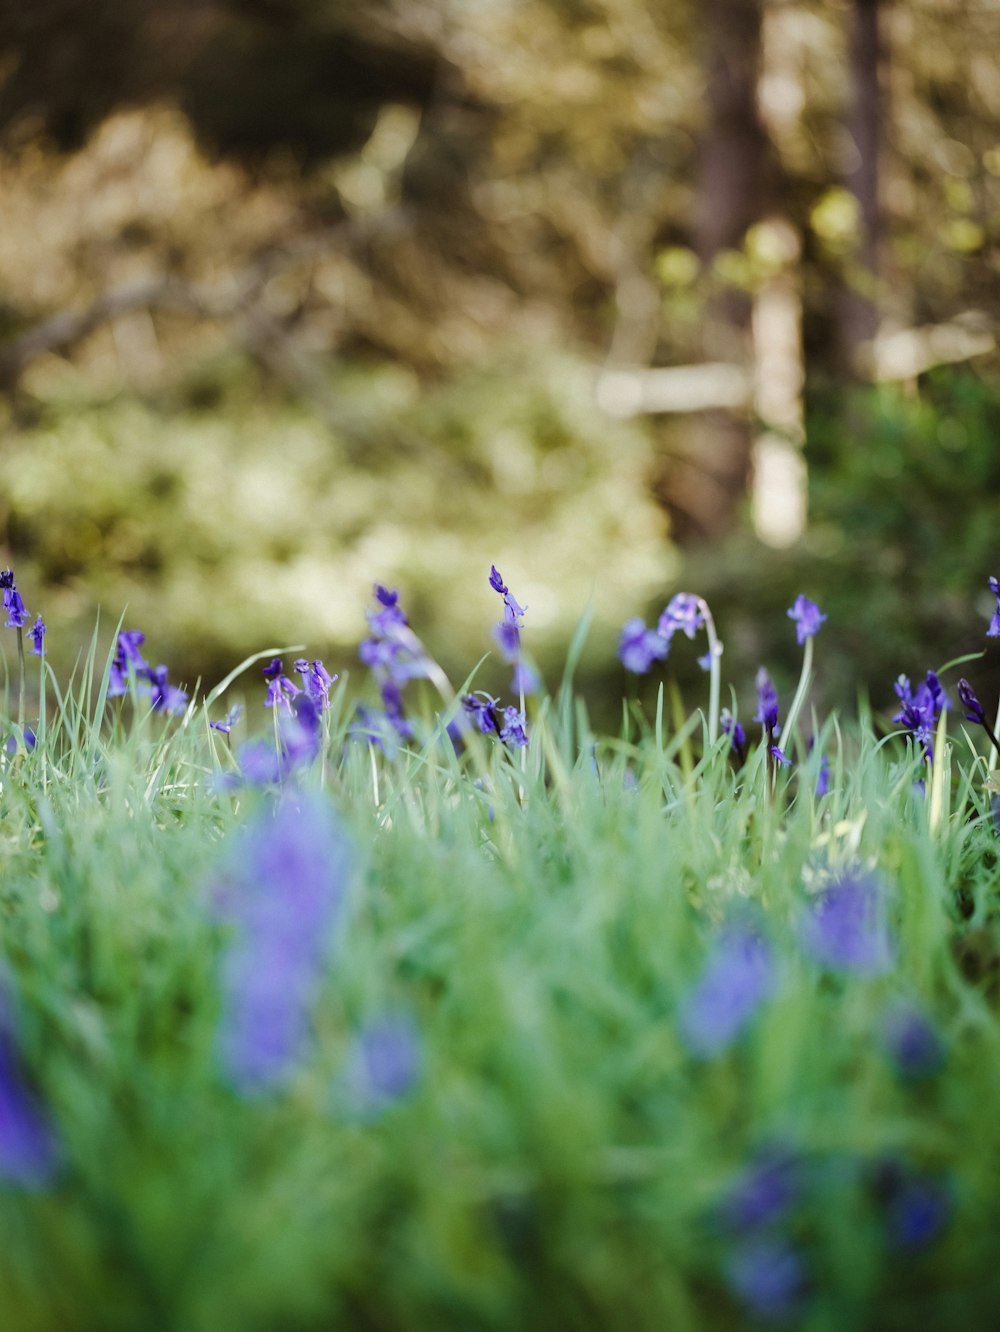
(807, 616)
(229, 721)
(974, 710)
(281, 889)
(767, 701)
(393, 651)
(508, 636)
(846, 926)
(316, 681)
(37, 633)
(766, 1273)
(683, 612)
(280, 689)
(383, 1065)
(30, 740)
(916, 1206)
(779, 756)
(165, 697)
(737, 978)
(639, 647)
(823, 777)
(482, 708)
(127, 659)
(911, 1042)
(29, 1152)
(737, 735)
(921, 708)
(763, 1192)
(17, 616)
(994, 630)
(513, 731)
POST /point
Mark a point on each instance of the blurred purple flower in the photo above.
(738, 976)
(768, 1276)
(921, 708)
(807, 617)
(737, 735)
(165, 697)
(127, 659)
(823, 777)
(911, 1042)
(846, 927)
(917, 1207)
(683, 612)
(229, 720)
(37, 633)
(994, 630)
(281, 888)
(383, 1065)
(508, 636)
(280, 689)
(779, 756)
(482, 709)
(28, 1148)
(767, 701)
(639, 647)
(762, 1192)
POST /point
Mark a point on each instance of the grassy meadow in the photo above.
(447, 1013)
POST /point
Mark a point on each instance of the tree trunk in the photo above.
(859, 308)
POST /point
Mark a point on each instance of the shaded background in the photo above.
(297, 295)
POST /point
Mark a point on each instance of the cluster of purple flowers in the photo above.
(639, 646)
(128, 664)
(846, 927)
(921, 708)
(738, 976)
(394, 655)
(508, 636)
(280, 890)
(17, 615)
(509, 724)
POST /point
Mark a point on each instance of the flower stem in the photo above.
(805, 680)
(715, 672)
(20, 667)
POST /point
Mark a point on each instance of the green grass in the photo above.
(542, 916)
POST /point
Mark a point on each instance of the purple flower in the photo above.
(779, 756)
(807, 617)
(166, 697)
(280, 690)
(974, 711)
(683, 612)
(823, 777)
(921, 708)
(763, 1192)
(916, 1206)
(281, 890)
(383, 1064)
(316, 681)
(767, 701)
(639, 647)
(994, 630)
(36, 633)
(28, 1148)
(767, 1275)
(482, 709)
(17, 616)
(911, 1042)
(229, 721)
(737, 978)
(737, 735)
(513, 730)
(393, 651)
(30, 740)
(128, 660)
(846, 928)
(508, 636)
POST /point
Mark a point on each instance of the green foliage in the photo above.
(563, 1157)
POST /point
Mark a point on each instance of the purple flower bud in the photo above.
(846, 927)
(737, 978)
(36, 633)
(127, 656)
(513, 731)
(280, 690)
(229, 721)
(316, 681)
(764, 1191)
(737, 735)
(911, 1042)
(17, 616)
(916, 1207)
(807, 617)
(165, 697)
(639, 647)
(973, 708)
(482, 709)
(779, 756)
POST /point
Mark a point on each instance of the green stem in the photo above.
(715, 671)
(20, 666)
(805, 680)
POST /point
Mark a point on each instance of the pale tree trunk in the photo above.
(859, 306)
(709, 478)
